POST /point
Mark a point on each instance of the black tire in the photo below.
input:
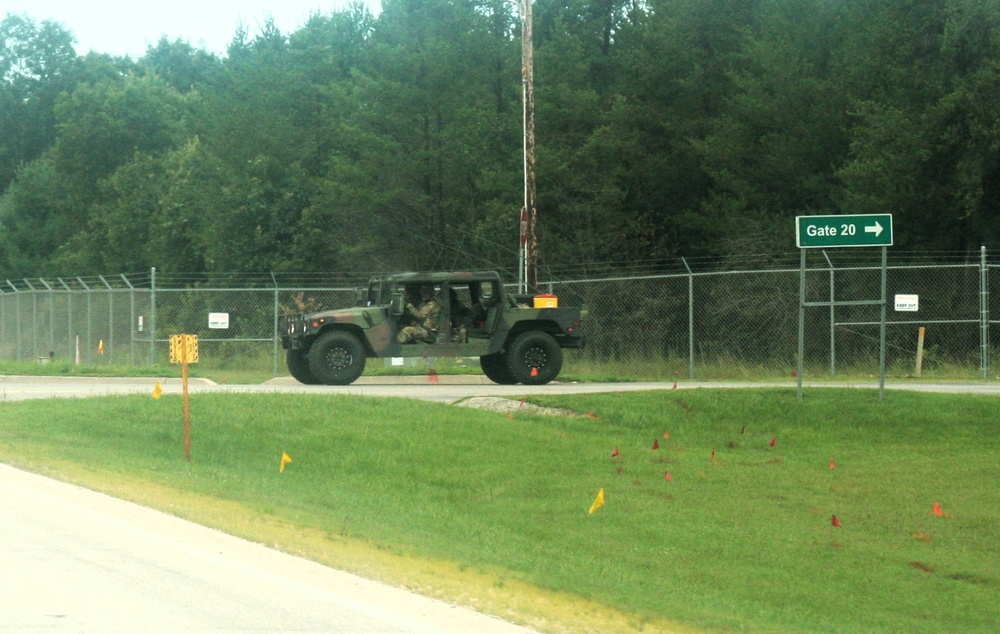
(495, 368)
(337, 358)
(534, 358)
(298, 366)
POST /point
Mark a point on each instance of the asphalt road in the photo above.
(73, 560)
(447, 389)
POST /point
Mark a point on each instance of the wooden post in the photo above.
(530, 204)
(187, 409)
(920, 352)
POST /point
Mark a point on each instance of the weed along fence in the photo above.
(690, 319)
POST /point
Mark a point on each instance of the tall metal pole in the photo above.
(881, 334)
(530, 240)
(984, 314)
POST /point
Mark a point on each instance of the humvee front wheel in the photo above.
(534, 358)
(337, 358)
(298, 367)
(495, 368)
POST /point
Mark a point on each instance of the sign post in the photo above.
(824, 232)
(184, 350)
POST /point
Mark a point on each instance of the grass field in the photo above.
(491, 509)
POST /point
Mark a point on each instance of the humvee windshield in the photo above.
(374, 296)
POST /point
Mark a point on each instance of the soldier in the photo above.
(425, 317)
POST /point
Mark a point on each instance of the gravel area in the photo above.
(506, 405)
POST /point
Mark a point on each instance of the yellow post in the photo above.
(920, 352)
(184, 350)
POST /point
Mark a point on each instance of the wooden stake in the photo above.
(187, 410)
(920, 352)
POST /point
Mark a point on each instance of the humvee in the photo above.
(515, 341)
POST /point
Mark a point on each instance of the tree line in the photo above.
(362, 142)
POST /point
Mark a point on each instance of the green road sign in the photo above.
(821, 232)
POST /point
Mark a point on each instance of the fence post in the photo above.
(152, 317)
(90, 316)
(17, 325)
(111, 326)
(274, 332)
(52, 316)
(131, 315)
(984, 313)
(690, 319)
(34, 320)
(69, 316)
(833, 320)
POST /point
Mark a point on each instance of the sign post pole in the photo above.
(802, 320)
(881, 337)
(822, 232)
(184, 350)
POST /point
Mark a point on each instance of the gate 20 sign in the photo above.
(822, 232)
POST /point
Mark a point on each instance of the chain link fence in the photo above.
(701, 324)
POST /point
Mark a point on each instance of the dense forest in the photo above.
(665, 128)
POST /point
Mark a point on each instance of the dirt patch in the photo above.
(509, 406)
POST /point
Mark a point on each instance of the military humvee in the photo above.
(515, 342)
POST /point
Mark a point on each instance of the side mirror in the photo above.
(398, 304)
(359, 297)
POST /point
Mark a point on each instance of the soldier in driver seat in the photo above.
(424, 317)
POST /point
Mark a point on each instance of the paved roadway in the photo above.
(72, 560)
(446, 389)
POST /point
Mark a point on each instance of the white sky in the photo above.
(127, 27)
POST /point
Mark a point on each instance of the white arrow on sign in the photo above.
(877, 229)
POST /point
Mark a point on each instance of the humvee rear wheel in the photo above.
(495, 368)
(337, 358)
(534, 358)
(298, 367)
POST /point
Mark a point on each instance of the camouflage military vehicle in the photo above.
(515, 342)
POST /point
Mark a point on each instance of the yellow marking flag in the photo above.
(285, 459)
(158, 390)
(598, 502)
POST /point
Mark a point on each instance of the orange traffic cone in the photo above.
(937, 510)
(835, 522)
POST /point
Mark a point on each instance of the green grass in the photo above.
(490, 510)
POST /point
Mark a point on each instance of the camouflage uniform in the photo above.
(425, 316)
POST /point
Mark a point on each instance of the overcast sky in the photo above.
(127, 27)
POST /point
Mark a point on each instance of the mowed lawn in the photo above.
(723, 510)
